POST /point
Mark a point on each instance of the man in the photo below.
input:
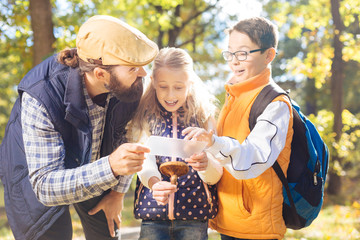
(64, 143)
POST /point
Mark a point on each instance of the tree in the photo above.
(15, 54)
(328, 45)
(337, 82)
(192, 25)
(42, 27)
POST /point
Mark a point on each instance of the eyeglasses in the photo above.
(240, 55)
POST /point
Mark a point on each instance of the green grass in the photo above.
(127, 214)
(1, 195)
(5, 232)
(335, 222)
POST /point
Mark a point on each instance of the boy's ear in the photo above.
(271, 53)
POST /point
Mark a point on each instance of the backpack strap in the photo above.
(284, 181)
(265, 97)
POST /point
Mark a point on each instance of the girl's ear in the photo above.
(270, 55)
(152, 81)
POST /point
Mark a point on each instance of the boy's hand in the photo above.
(199, 134)
(198, 162)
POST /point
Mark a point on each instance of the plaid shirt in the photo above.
(45, 153)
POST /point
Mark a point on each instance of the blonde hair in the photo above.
(199, 105)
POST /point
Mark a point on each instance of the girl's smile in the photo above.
(172, 103)
(172, 87)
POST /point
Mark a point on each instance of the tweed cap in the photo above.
(107, 40)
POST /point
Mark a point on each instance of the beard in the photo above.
(122, 93)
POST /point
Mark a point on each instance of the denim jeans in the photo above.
(174, 230)
(225, 237)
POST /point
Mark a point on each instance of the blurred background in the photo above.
(318, 60)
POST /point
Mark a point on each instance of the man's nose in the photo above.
(141, 72)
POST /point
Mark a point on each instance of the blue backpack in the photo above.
(303, 189)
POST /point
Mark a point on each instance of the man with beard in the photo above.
(64, 143)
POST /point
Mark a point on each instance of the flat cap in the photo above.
(107, 40)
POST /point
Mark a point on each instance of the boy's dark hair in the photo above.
(260, 30)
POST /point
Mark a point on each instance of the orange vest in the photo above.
(250, 208)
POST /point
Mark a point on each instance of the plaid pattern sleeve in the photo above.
(123, 184)
(45, 153)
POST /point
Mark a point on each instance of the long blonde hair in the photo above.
(199, 105)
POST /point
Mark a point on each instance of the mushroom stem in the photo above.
(173, 179)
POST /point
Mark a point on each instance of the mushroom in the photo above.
(174, 170)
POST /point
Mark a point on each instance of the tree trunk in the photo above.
(42, 26)
(337, 79)
(334, 183)
(174, 33)
(160, 39)
(311, 97)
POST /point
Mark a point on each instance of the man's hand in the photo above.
(199, 134)
(198, 162)
(161, 191)
(112, 205)
(128, 158)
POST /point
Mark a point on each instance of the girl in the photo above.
(175, 99)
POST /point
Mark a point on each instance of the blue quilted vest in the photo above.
(192, 200)
(59, 89)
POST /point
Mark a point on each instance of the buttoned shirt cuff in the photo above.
(105, 174)
(149, 170)
(123, 181)
(213, 172)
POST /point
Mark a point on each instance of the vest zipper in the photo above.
(208, 194)
(172, 196)
(138, 194)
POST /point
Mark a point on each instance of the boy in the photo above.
(250, 193)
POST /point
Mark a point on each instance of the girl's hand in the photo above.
(161, 191)
(199, 134)
(198, 162)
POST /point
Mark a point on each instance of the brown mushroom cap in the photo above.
(177, 169)
(171, 168)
